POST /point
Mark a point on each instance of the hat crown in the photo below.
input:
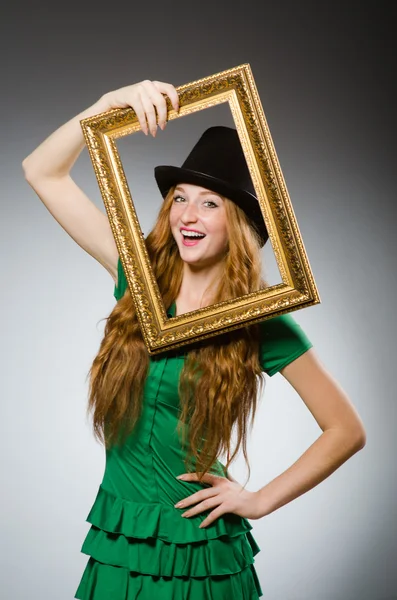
(218, 153)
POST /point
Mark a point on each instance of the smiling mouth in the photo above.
(192, 235)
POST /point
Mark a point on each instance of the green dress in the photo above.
(139, 546)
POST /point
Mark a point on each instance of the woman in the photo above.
(174, 413)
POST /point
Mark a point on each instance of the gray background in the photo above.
(324, 73)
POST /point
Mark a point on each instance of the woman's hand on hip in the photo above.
(146, 98)
(224, 496)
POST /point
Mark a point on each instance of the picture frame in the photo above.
(235, 86)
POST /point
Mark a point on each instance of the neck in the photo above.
(199, 286)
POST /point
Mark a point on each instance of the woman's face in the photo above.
(196, 210)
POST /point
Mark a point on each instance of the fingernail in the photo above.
(180, 476)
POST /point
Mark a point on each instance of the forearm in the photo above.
(332, 448)
(56, 155)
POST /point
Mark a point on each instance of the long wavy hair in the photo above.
(221, 377)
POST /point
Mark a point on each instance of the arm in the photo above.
(47, 168)
(343, 433)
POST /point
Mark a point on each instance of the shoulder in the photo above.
(282, 340)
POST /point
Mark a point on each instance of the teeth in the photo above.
(192, 234)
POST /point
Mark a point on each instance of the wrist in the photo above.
(103, 103)
(263, 506)
(100, 106)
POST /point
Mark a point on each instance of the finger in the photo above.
(208, 477)
(157, 98)
(215, 514)
(194, 498)
(169, 89)
(150, 112)
(207, 504)
(138, 107)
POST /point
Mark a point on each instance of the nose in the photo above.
(190, 213)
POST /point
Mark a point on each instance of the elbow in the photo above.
(35, 173)
(348, 439)
(357, 439)
(27, 171)
(361, 439)
(31, 170)
(358, 434)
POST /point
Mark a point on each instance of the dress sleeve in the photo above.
(121, 284)
(282, 341)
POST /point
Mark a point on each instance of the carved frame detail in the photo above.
(237, 87)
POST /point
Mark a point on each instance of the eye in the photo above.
(209, 203)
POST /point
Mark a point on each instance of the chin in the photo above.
(190, 259)
(200, 261)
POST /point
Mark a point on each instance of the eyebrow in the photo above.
(178, 187)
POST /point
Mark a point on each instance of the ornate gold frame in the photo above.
(237, 87)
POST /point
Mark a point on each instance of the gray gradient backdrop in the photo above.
(324, 74)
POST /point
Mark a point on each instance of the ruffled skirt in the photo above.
(146, 551)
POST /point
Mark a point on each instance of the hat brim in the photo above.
(168, 176)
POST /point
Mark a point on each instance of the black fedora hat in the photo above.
(217, 162)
